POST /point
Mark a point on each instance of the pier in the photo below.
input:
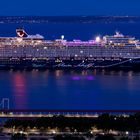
(13, 113)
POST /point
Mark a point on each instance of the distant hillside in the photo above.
(69, 19)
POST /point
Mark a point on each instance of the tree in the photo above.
(19, 136)
(105, 137)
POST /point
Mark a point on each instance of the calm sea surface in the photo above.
(60, 89)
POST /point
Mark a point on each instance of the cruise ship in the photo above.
(33, 51)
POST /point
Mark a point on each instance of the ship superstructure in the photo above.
(33, 51)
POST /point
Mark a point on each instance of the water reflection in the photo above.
(19, 90)
(80, 77)
(59, 73)
(88, 89)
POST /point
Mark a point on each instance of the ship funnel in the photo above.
(21, 32)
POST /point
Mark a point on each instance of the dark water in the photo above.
(71, 89)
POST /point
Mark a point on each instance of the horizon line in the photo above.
(69, 15)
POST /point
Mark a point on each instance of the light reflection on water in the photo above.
(89, 77)
(19, 90)
(58, 89)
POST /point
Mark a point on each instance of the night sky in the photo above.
(69, 7)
